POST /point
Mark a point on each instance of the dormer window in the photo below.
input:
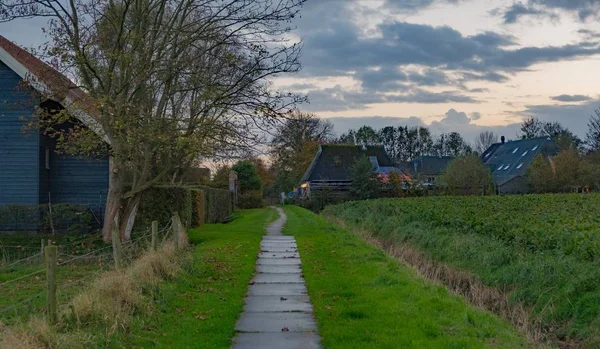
(506, 167)
(515, 151)
(500, 168)
(525, 152)
(534, 148)
(520, 165)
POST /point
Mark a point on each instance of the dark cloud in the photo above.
(583, 9)
(475, 116)
(414, 5)
(517, 10)
(296, 87)
(489, 76)
(384, 79)
(429, 77)
(479, 90)
(571, 98)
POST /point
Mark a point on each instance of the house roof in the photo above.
(511, 159)
(333, 162)
(430, 165)
(49, 82)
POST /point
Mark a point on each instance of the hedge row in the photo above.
(195, 205)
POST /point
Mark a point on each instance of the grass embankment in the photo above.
(199, 308)
(365, 299)
(541, 252)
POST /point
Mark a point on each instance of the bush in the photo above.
(251, 199)
(468, 175)
(64, 218)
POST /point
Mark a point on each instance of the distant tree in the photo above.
(389, 140)
(365, 184)
(221, 177)
(540, 175)
(265, 174)
(484, 140)
(451, 144)
(562, 137)
(592, 138)
(367, 135)
(248, 177)
(531, 128)
(293, 147)
(425, 142)
(467, 175)
(346, 138)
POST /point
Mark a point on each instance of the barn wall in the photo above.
(19, 152)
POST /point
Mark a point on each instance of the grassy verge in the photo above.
(541, 252)
(364, 299)
(200, 307)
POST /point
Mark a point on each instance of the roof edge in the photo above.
(311, 167)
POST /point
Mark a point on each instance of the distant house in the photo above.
(509, 162)
(330, 168)
(31, 172)
(427, 169)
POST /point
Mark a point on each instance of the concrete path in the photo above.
(278, 313)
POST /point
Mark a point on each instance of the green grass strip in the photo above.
(200, 308)
(364, 299)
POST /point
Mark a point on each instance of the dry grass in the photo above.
(108, 303)
(461, 283)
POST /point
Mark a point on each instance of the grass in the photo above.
(364, 299)
(200, 307)
(542, 252)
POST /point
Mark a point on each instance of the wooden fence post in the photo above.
(154, 235)
(51, 253)
(116, 243)
(176, 229)
(42, 250)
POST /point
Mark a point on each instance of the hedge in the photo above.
(196, 205)
(62, 218)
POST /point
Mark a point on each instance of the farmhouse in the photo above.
(31, 172)
(427, 169)
(509, 162)
(330, 168)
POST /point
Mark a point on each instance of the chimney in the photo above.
(502, 139)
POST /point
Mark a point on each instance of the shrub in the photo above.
(218, 204)
(365, 184)
(251, 199)
(468, 175)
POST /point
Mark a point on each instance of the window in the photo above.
(506, 167)
(516, 150)
(525, 152)
(534, 148)
(520, 165)
(47, 159)
(499, 168)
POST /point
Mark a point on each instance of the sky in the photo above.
(452, 65)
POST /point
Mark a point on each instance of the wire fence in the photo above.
(23, 283)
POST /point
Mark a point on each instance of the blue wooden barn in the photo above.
(31, 172)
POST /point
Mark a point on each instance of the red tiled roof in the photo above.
(57, 86)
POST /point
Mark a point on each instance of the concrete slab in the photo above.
(283, 340)
(277, 244)
(278, 261)
(268, 237)
(279, 255)
(275, 304)
(277, 290)
(279, 249)
(271, 278)
(284, 269)
(275, 322)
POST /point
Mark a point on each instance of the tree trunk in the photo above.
(113, 199)
(128, 216)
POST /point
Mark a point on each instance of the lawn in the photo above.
(542, 251)
(199, 309)
(364, 299)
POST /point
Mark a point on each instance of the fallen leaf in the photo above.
(285, 329)
(283, 299)
(251, 283)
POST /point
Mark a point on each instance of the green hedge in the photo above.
(159, 203)
(62, 218)
(196, 205)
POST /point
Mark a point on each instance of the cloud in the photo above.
(296, 87)
(411, 6)
(427, 97)
(571, 98)
(475, 116)
(517, 10)
(583, 9)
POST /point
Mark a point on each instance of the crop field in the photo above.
(541, 251)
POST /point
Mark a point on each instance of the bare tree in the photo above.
(484, 140)
(168, 81)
